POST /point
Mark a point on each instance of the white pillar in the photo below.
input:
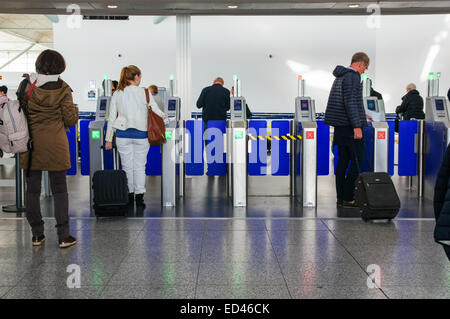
(183, 57)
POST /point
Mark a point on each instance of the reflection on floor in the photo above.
(226, 258)
(205, 248)
(207, 197)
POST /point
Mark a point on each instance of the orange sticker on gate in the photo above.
(310, 135)
(381, 135)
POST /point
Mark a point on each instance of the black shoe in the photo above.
(38, 241)
(140, 200)
(352, 204)
(130, 199)
(69, 241)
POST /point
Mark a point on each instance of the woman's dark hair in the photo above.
(50, 62)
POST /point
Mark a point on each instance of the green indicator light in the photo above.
(235, 77)
(95, 135)
(106, 77)
(364, 77)
(431, 76)
(238, 135)
(438, 75)
(169, 134)
(171, 77)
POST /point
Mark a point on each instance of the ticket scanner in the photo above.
(97, 137)
(304, 157)
(378, 140)
(436, 135)
(172, 178)
(237, 148)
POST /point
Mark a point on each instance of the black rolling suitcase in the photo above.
(376, 196)
(110, 192)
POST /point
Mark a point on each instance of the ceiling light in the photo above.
(355, 5)
(112, 6)
(232, 7)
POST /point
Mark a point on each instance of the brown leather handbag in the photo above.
(155, 126)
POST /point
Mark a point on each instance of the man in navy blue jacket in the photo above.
(345, 111)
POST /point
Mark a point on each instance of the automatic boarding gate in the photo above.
(304, 158)
(98, 157)
(237, 152)
(436, 136)
(376, 135)
(172, 176)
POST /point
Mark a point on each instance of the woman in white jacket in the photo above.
(128, 118)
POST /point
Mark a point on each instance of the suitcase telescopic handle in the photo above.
(115, 157)
(364, 155)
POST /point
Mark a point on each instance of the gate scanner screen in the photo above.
(304, 105)
(439, 105)
(172, 105)
(238, 105)
(371, 105)
(103, 104)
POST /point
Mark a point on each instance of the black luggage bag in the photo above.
(376, 196)
(110, 192)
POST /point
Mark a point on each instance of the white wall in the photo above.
(12, 81)
(92, 51)
(223, 46)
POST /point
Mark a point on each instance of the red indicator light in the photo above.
(310, 135)
(381, 135)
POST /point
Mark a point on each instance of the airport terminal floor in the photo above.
(205, 248)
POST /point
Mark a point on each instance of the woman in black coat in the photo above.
(442, 204)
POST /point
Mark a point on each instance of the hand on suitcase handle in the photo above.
(108, 146)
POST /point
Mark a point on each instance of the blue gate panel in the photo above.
(407, 159)
(84, 147)
(194, 154)
(323, 148)
(153, 165)
(72, 139)
(391, 147)
(257, 159)
(216, 156)
(280, 156)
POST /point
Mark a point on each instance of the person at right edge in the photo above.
(51, 112)
(441, 203)
(345, 111)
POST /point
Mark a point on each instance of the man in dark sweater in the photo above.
(214, 101)
(412, 105)
(345, 111)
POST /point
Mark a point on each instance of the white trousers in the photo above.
(133, 155)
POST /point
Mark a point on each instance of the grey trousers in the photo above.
(61, 203)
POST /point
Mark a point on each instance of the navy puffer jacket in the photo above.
(442, 202)
(345, 105)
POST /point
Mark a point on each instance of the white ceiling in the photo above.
(266, 7)
(17, 32)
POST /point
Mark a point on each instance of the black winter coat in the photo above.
(442, 202)
(214, 102)
(345, 105)
(412, 106)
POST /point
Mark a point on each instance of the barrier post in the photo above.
(19, 207)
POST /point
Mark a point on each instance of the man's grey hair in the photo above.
(411, 86)
(220, 80)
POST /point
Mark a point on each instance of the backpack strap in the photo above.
(31, 89)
